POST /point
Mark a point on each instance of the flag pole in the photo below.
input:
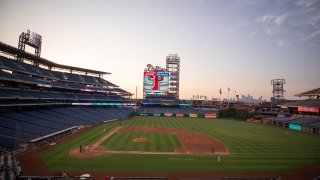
(228, 96)
(220, 99)
(135, 109)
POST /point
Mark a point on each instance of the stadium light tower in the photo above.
(278, 91)
(173, 67)
(32, 39)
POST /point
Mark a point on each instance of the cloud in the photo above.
(271, 19)
(306, 3)
(314, 21)
(273, 23)
(279, 20)
(265, 18)
(312, 35)
(239, 25)
(253, 2)
(311, 21)
(282, 43)
(252, 34)
(197, 1)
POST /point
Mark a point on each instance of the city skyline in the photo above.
(241, 45)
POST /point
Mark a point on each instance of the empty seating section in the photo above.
(9, 166)
(106, 82)
(9, 64)
(7, 142)
(60, 75)
(5, 75)
(12, 132)
(62, 117)
(76, 86)
(303, 121)
(55, 87)
(11, 93)
(103, 112)
(85, 96)
(75, 115)
(100, 81)
(27, 125)
(163, 101)
(157, 110)
(32, 74)
(89, 79)
(117, 98)
(315, 124)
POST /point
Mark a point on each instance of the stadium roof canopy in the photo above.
(7, 49)
(311, 93)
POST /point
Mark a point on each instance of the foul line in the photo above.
(104, 138)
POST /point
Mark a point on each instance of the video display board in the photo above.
(155, 83)
(295, 127)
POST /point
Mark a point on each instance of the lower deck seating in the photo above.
(26, 125)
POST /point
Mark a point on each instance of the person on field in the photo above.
(64, 173)
(218, 158)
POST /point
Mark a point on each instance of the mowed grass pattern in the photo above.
(252, 147)
(155, 142)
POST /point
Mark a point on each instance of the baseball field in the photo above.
(184, 145)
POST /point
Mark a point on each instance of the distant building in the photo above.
(245, 99)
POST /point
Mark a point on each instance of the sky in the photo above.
(240, 44)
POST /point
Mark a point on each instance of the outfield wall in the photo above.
(211, 115)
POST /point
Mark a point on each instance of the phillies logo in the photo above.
(156, 81)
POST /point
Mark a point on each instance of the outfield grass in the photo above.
(155, 142)
(252, 147)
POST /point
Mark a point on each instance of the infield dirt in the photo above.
(192, 143)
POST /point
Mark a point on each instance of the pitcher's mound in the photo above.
(139, 140)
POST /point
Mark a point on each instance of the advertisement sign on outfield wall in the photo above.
(144, 114)
(193, 115)
(168, 114)
(179, 115)
(156, 114)
(212, 115)
(254, 120)
(295, 127)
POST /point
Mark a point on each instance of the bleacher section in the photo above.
(158, 110)
(163, 102)
(17, 127)
(297, 120)
(9, 167)
(305, 124)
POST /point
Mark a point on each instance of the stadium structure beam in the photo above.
(12, 51)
